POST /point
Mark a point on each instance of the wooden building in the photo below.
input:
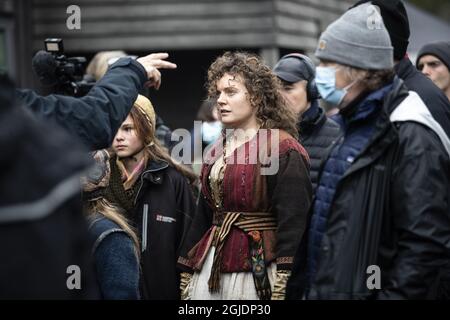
(194, 32)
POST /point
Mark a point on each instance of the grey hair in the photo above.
(370, 79)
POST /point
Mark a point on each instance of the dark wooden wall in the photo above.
(193, 31)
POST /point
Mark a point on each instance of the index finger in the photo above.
(162, 64)
(157, 55)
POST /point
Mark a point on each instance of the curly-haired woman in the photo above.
(250, 218)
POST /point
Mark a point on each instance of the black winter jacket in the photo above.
(439, 106)
(391, 209)
(317, 134)
(43, 233)
(163, 209)
(96, 117)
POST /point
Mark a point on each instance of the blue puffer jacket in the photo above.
(115, 260)
(354, 121)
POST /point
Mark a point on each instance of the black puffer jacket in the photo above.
(317, 134)
(390, 209)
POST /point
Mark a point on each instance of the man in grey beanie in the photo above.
(434, 62)
(395, 19)
(379, 224)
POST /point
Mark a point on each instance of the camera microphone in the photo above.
(44, 65)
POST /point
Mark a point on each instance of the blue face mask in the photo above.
(211, 131)
(326, 84)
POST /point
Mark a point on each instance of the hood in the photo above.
(412, 108)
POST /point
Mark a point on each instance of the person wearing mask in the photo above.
(316, 131)
(383, 196)
(206, 133)
(98, 67)
(395, 18)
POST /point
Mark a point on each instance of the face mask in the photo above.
(211, 131)
(326, 84)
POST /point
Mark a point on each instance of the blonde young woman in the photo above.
(115, 243)
(248, 225)
(156, 196)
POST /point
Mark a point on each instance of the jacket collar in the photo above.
(385, 133)
(413, 109)
(366, 105)
(153, 171)
(312, 118)
(404, 68)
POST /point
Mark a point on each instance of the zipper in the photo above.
(142, 180)
(338, 141)
(144, 227)
(140, 187)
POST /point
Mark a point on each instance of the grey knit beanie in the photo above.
(358, 39)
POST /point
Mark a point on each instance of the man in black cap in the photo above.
(317, 132)
(396, 21)
(434, 62)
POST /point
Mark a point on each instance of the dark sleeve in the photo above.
(117, 267)
(291, 194)
(201, 223)
(186, 208)
(96, 117)
(420, 212)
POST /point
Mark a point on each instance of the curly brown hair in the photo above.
(262, 85)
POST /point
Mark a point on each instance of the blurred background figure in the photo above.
(98, 66)
(370, 207)
(434, 62)
(96, 70)
(210, 131)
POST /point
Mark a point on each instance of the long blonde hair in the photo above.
(104, 208)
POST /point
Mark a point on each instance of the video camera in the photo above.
(65, 75)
